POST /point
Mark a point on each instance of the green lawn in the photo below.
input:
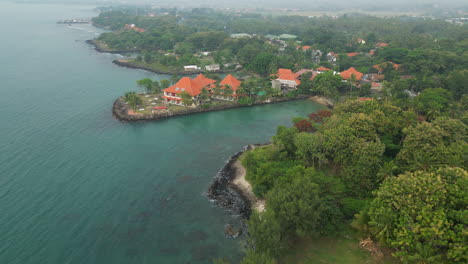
(332, 250)
(157, 66)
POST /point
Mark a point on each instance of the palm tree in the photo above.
(186, 98)
(387, 170)
(227, 91)
(133, 100)
(147, 84)
(204, 95)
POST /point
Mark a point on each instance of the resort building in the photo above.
(203, 81)
(193, 87)
(285, 81)
(230, 82)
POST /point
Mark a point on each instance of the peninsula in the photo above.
(398, 90)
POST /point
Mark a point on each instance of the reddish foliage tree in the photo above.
(320, 115)
(315, 117)
(304, 126)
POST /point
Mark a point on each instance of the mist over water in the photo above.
(76, 185)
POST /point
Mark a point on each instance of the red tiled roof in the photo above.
(321, 68)
(349, 72)
(185, 85)
(381, 67)
(375, 77)
(231, 81)
(381, 44)
(306, 47)
(287, 74)
(300, 72)
(132, 27)
(352, 54)
(203, 81)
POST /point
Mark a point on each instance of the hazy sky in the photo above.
(270, 3)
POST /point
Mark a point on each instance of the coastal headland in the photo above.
(122, 111)
(103, 48)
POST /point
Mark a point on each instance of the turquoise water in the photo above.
(76, 185)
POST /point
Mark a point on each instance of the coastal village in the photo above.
(318, 189)
(195, 92)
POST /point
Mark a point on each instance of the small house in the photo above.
(350, 73)
(213, 67)
(191, 68)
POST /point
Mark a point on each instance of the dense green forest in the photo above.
(422, 46)
(386, 170)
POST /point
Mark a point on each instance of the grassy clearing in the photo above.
(155, 66)
(342, 249)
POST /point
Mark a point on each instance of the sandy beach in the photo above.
(322, 100)
(246, 188)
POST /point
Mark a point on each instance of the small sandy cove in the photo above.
(246, 188)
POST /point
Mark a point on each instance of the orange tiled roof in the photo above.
(371, 52)
(185, 85)
(374, 84)
(365, 99)
(321, 68)
(349, 72)
(381, 67)
(352, 54)
(381, 44)
(303, 71)
(287, 74)
(231, 81)
(306, 47)
(203, 81)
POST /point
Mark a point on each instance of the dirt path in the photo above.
(246, 188)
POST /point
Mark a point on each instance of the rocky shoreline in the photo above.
(102, 49)
(128, 64)
(120, 109)
(225, 193)
(322, 100)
